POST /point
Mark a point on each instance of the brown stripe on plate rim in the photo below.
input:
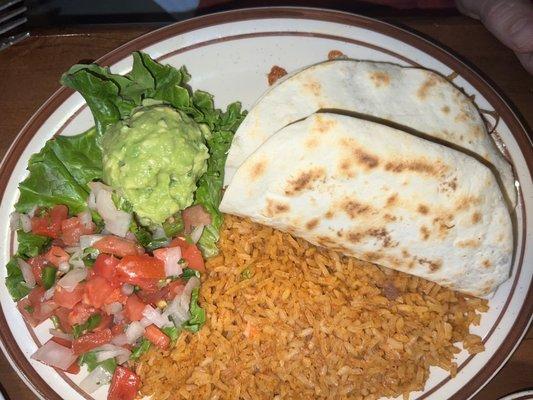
(513, 122)
(288, 33)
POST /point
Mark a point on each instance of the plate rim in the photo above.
(507, 110)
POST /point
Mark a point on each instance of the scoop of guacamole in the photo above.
(154, 159)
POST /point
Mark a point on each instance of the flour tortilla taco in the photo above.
(412, 99)
(381, 195)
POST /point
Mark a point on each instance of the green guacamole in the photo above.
(154, 159)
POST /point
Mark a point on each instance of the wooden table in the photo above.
(29, 73)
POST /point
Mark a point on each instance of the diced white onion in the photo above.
(123, 357)
(159, 232)
(178, 309)
(134, 331)
(91, 201)
(63, 267)
(118, 318)
(60, 334)
(55, 355)
(49, 293)
(86, 218)
(48, 307)
(72, 278)
(108, 351)
(196, 233)
(89, 240)
(116, 221)
(113, 308)
(27, 273)
(31, 213)
(96, 379)
(155, 317)
(25, 223)
(72, 249)
(76, 259)
(131, 236)
(145, 322)
(171, 258)
(127, 289)
(14, 221)
(120, 340)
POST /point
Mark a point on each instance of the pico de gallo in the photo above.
(108, 297)
(113, 223)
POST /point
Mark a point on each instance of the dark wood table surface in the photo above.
(29, 74)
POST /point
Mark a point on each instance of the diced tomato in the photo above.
(80, 314)
(91, 341)
(50, 223)
(67, 299)
(45, 310)
(136, 270)
(74, 369)
(105, 265)
(156, 336)
(41, 226)
(118, 247)
(180, 242)
(117, 329)
(62, 314)
(37, 264)
(38, 275)
(34, 309)
(116, 296)
(72, 229)
(36, 295)
(58, 213)
(194, 258)
(26, 309)
(166, 293)
(56, 255)
(152, 296)
(97, 290)
(148, 285)
(62, 342)
(195, 216)
(90, 274)
(124, 384)
(175, 288)
(190, 253)
(105, 323)
(133, 310)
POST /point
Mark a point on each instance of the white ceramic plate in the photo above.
(229, 55)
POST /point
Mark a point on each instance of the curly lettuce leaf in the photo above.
(112, 97)
(197, 319)
(140, 349)
(209, 192)
(15, 281)
(109, 96)
(30, 245)
(59, 173)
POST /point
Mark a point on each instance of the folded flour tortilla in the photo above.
(381, 195)
(414, 98)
